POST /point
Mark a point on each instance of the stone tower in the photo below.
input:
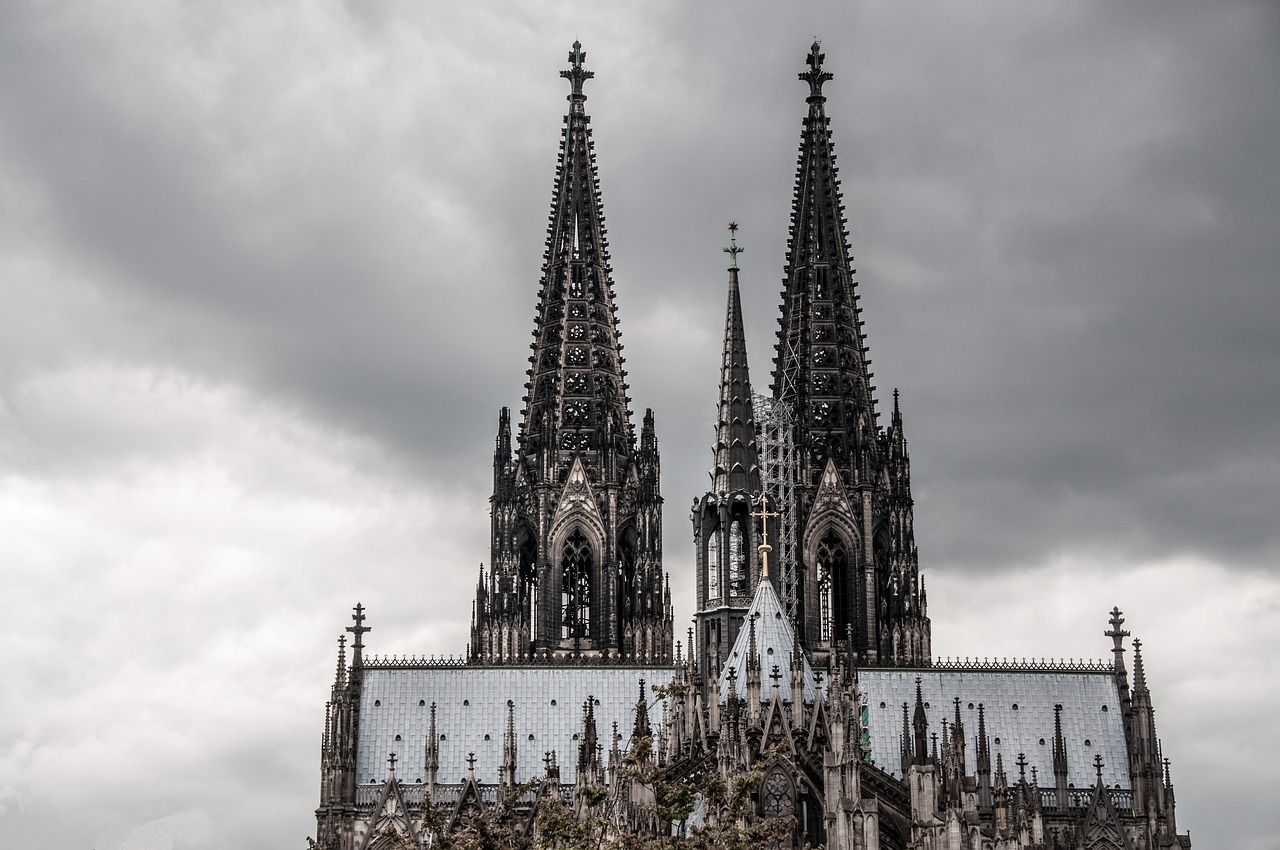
(855, 548)
(576, 548)
(726, 539)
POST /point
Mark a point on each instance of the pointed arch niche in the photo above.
(711, 560)
(833, 559)
(577, 565)
(526, 547)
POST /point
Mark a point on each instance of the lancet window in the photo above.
(737, 560)
(833, 565)
(575, 586)
(712, 565)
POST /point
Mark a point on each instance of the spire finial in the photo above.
(1097, 766)
(815, 76)
(359, 629)
(391, 764)
(575, 73)
(764, 515)
(733, 250)
(1116, 633)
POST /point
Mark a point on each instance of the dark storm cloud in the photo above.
(327, 222)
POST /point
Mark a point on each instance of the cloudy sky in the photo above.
(268, 273)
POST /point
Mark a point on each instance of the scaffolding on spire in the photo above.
(778, 473)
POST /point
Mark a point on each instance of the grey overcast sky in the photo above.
(268, 272)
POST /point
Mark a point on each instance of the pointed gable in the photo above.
(831, 507)
(1100, 828)
(390, 825)
(775, 645)
(577, 501)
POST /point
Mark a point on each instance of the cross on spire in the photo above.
(575, 73)
(815, 76)
(391, 763)
(471, 763)
(764, 516)
(1097, 766)
(776, 675)
(733, 250)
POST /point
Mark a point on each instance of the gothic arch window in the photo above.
(824, 601)
(527, 570)
(575, 586)
(627, 570)
(712, 564)
(776, 798)
(833, 564)
(737, 560)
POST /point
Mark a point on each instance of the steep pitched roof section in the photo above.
(775, 646)
(577, 400)
(822, 368)
(737, 463)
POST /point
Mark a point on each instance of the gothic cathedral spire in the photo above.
(855, 547)
(576, 563)
(725, 537)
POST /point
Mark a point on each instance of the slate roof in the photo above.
(775, 642)
(471, 703)
(1019, 717)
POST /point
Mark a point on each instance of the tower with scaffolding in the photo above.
(778, 471)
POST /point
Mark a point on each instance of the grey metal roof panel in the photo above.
(1019, 715)
(775, 642)
(471, 703)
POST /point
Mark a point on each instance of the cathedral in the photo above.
(810, 662)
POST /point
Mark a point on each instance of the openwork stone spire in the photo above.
(822, 368)
(576, 563)
(577, 398)
(855, 546)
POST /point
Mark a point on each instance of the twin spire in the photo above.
(577, 398)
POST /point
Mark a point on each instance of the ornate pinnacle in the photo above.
(1116, 633)
(815, 76)
(575, 73)
(733, 250)
(391, 764)
(359, 629)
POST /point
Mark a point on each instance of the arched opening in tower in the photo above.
(576, 565)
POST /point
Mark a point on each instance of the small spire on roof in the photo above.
(340, 679)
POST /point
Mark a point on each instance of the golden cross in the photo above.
(765, 548)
